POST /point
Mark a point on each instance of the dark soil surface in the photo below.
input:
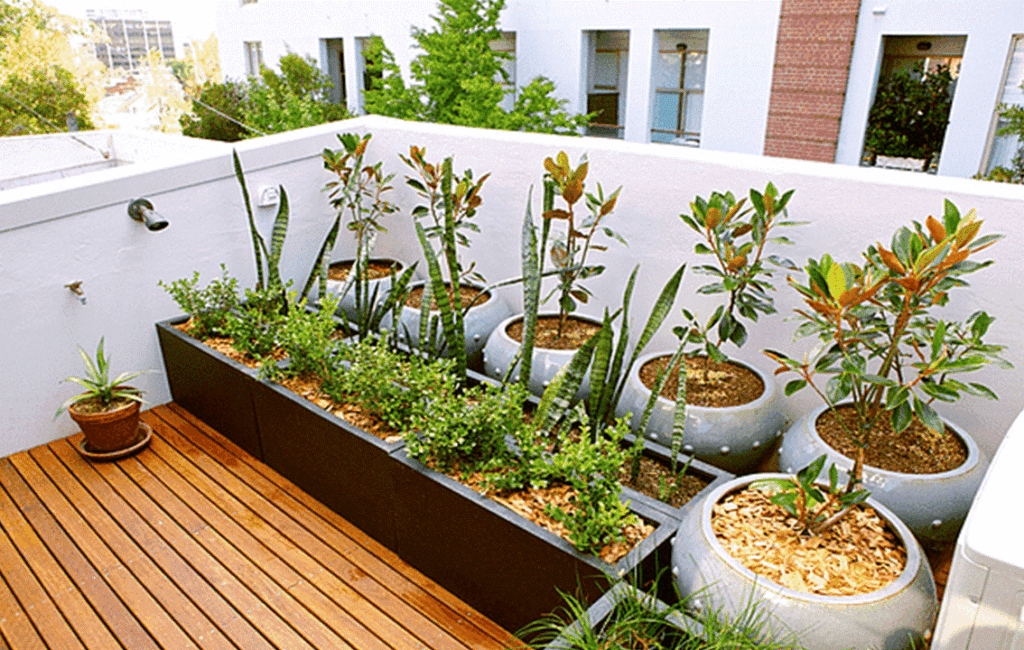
(707, 383)
(575, 334)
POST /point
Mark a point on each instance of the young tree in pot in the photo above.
(108, 410)
(359, 192)
(888, 360)
(467, 311)
(725, 413)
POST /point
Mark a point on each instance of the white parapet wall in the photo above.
(78, 229)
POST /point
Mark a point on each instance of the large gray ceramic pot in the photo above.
(892, 618)
(481, 319)
(933, 506)
(382, 286)
(735, 438)
(502, 349)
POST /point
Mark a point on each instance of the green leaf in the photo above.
(900, 417)
(794, 386)
(928, 416)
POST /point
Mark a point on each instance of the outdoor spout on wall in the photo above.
(142, 211)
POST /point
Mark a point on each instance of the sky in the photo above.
(190, 19)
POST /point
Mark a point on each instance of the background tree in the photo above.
(50, 93)
(458, 77)
(228, 99)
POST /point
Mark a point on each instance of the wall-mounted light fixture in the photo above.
(681, 47)
(924, 46)
(142, 211)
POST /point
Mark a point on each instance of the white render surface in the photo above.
(74, 229)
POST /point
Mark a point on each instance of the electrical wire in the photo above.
(105, 154)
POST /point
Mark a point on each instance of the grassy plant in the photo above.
(97, 384)
(208, 306)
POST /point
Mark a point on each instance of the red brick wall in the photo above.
(812, 63)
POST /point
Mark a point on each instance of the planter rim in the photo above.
(973, 451)
(766, 380)
(168, 325)
(664, 523)
(500, 329)
(905, 579)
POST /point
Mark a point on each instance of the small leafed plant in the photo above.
(209, 307)
(815, 506)
(308, 339)
(879, 344)
(101, 392)
(569, 253)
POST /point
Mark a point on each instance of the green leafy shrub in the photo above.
(910, 114)
(308, 338)
(209, 306)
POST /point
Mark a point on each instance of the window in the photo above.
(253, 57)
(507, 43)
(607, 64)
(335, 52)
(1003, 149)
(679, 72)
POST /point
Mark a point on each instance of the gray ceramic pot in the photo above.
(892, 618)
(735, 438)
(933, 506)
(502, 349)
(347, 306)
(481, 319)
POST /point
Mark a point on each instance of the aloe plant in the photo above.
(97, 382)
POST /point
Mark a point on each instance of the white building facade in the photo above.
(789, 78)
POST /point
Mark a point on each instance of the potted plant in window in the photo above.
(730, 412)
(108, 410)
(826, 565)
(556, 336)
(889, 358)
(907, 122)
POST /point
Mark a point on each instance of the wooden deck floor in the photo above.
(194, 544)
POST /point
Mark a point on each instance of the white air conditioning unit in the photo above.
(983, 607)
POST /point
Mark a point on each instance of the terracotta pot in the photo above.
(735, 438)
(892, 618)
(501, 349)
(109, 430)
(934, 506)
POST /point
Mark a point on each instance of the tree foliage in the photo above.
(910, 113)
(49, 93)
(273, 102)
(457, 79)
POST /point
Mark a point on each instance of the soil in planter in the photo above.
(576, 333)
(708, 383)
(94, 405)
(917, 450)
(858, 555)
(466, 294)
(310, 389)
(531, 503)
(656, 475)
(375, 269)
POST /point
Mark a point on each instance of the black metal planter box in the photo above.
(340, 465)
(211, 386)
(502, 564)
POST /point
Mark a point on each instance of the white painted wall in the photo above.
(989, 27)
(78, 229)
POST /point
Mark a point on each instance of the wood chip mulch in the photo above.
(857, 555)
(310, 389)
(653, 473)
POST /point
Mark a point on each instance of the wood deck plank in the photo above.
(213, 603)
(116, 618)
(183, 541)
(309, 552)
(145, 587)
(192, 543)
(345, 539)
(15, 625)
(42, 601)
(275, 560)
